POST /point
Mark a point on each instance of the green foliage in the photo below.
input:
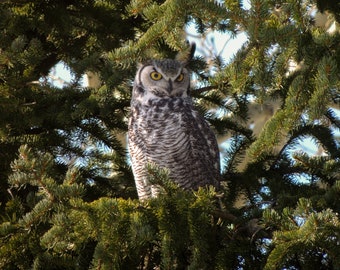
(304, 238)
(67, 195)
(124, 234)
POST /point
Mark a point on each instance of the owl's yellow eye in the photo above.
(156, 76)
(180, 77)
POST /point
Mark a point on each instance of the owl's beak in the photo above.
(170, 87)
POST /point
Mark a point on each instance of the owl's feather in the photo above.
(166, 130)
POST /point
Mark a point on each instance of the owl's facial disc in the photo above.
(159, 79)
(170, 83)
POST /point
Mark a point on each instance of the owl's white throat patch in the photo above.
(145, 97)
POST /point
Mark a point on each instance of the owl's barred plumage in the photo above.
(165, 129)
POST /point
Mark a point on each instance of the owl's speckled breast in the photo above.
(175, 102)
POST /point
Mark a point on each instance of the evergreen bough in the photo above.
(67, 195)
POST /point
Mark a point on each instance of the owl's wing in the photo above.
(205, 151)
(139, 161)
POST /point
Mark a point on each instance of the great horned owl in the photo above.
(165, 129)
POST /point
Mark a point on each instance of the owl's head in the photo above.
(165, 78)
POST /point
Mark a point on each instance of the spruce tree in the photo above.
(67, 195)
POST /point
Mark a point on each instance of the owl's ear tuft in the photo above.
(186, 55)
(192, 50)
